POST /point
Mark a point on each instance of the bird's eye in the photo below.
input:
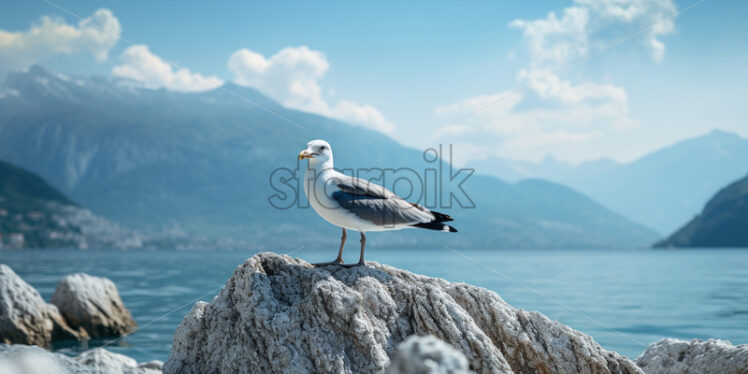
(322, 147)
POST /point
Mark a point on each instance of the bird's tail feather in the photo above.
(434, 225)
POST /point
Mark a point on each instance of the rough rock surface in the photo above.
(674, 356)
(278, 314)
(25, 318)
(24, 359)
(93, 303)
(427, 355)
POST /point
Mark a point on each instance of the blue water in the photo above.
(623, 299)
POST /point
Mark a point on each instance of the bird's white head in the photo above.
(318, 152)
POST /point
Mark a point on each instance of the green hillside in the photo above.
(31, 211)
(722, 223)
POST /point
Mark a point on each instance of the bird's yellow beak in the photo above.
(305, 154)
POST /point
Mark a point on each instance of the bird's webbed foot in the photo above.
(338, 261)
(360, 263)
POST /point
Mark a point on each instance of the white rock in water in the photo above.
(24, 316)
(674, 356)
(427, 355)
(106, 362)
(93, 303)
(24, 359)
(277, 314)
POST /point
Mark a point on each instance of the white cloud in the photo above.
(48, 37)
(562, 118)
(652, 16)
(549, 114)
(364, 114)
(487, 105)
(552, 115)
(139, 64)
(549, 86)
(292, 77)
(522, 133)
(554, 41)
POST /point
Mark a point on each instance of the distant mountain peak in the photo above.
(719, 133)
(40, 82)
(38, 70)
(548, 159)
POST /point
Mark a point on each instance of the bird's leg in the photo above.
(360, 259)
(340, 251)
(363, 245)
(338, 260)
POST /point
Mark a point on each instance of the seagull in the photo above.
(357, 204)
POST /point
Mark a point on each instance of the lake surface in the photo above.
(624, 299)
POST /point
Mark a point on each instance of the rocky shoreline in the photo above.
(277, 314)
(82, 307)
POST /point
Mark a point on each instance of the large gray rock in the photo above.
(673, 356)
(25, 318)
(278, 314)
(427, 355)
(93, 304)
(24, 359)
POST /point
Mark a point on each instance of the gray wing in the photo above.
(377, 204)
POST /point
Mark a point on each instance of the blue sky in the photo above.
(413, 70)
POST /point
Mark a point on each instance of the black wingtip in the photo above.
(452, 229)
(441, 217)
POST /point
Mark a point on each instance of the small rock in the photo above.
(24, 316)
(674, 356)
(106, 362)
(427, 355)
(24, 359)
(93, 304)
(155, 366)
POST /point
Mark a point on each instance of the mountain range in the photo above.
(662, 190)
(722, 223)
(202, 163)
